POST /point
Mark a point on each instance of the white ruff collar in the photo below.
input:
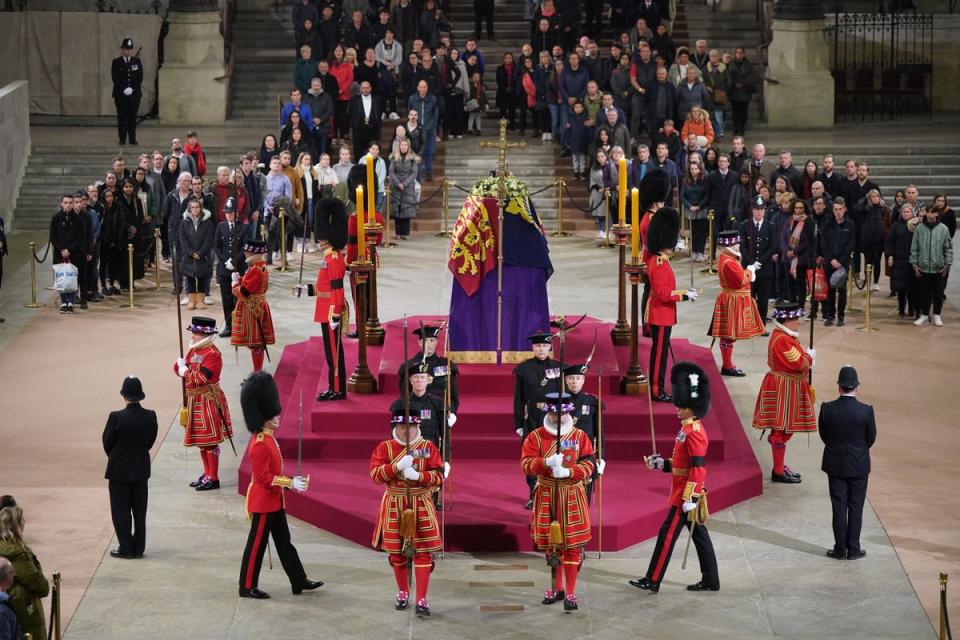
(732, 251)
(203, 343)
(566, 425)
(789, 332)
(413, 438)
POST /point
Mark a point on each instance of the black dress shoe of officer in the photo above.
(306, 585)
(254, 593)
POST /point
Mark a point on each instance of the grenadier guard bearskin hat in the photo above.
(654, 188)
(357, 178)
(691, 388)
(332, 223)
(664, 230)
(259, 400)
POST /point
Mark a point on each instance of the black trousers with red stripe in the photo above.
(262, 526)
(667, 539)
(659, 351)
(333, 350)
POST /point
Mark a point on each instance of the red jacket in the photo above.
(664, 295)
(329, 287)
(265, 493)
(688, 463)
(373, 239)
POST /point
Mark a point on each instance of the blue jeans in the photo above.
(718, 121)
(429, 149)
(554, 120)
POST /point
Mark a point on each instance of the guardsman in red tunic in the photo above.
(358, 177)
(408, 465)
(208, 417)
(785, 403)
(331, 234)
(735, 314)
(654, 191)
(560, 463)
(265, 504)
(661, 311)
(252, 323)
(687, 465)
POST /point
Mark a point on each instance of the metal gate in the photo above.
(882, 65)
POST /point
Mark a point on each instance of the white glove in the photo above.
(689, 506)
(753, 272)
(405, 462)
(520, 432)
(692, 295)
(299, 483)
(451, 420)
(301, 289)
(560, 472)
(411, 474)
(234, 277)
(334, 324)
(181, 367)
(756, 265)
(229, 264)
(555, 460)
(812, 352)
(446, 470)
(601, 465)
(655, 462)
(128, 91)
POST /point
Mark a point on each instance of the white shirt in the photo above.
(367, 102)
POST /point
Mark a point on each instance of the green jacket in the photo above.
(931, 250)
(29, 586)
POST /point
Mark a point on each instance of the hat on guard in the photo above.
(654, 188)
(579, 369)
(848, 378)
(558, 403)
(787, 311)
(332, 223)
(255, 246)
(728, 238)
(543, 337)
(416, 368)
(132, 389)
(664, 230)
(126, 44)
(230, 206)
(691, 388)
(758, 203)
(202, 324)
(400, 417)
(427, 332)
(259, 400)
(356, 178)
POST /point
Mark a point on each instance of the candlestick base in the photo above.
(620, 334)
(361, 381)
(375, 333)
(633, 384)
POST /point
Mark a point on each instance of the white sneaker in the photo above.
(394, 116)
(920, 321)
(184, 301)
(601, 235)
(543, 137)
(207, 300)
(875, 287)
(275, 256)
(937, 322)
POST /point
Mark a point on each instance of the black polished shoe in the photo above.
(828, 322)
(646, 584)
(336, 395)
(402, 601)
(116, 553)
(353, 334)
(529, 504)
(323, 395)
(570, 603)
(702, 586)
(306, 585)
(423, 608)
(837, 554)
(549, 597)
(841, 321)
(663, 397)
(856, 555)
(208, 485)
(199, 481)
(254, 593)
(787, 471)
(785, 478)
(227, 331)
(735, 372)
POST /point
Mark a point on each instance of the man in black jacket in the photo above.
(364, 112)
(759, 245)
(848, 430)
(69, 239)
(719, 185)
(127, 439)
(836, 247)
(228, 245)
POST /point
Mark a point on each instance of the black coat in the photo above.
(718, 194)
(534, 379)
(197, 240)
(837, 241)
(229, 246)
(359, 121)
(899, 240)
(429, 408)
(758, 246)
(68, 231)
(126, 74)
(127, 439)
(848, 430)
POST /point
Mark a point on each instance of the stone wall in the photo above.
(15, 133)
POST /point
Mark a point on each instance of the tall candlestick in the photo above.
(371, 190)
(361, 231)
(635, 226)
(623, 191)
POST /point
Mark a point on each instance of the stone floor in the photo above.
(776, 582)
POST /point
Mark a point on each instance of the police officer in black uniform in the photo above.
(127, 74)
(586, 416)
(440, 369)
(535, 377)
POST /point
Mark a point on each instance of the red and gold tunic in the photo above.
(645, 255)
(252, 323)
(267, 482)
(208, 416)
(329, 287)
(688, 462)
(383, 470)
(662, 305)
(574, 512)
(735, 314)
(784, 401)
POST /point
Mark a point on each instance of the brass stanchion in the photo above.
(560, 233)
(606, 217)
(130, 304)
(620, 334)
(944, 618)
(387, 242)
(33, 278)
(156, 255)
(55, 607)
(283, 242)
(711, 261)
(851, 286)
(445, 229)
(866, 326)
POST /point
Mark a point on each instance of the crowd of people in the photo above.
(23, 584)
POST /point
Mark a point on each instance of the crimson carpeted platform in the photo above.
(487, 511)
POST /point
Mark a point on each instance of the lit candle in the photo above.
(361, 232)
(371, 190)
(623, 191)
(635, 226)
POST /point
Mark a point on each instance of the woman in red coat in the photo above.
(252, 323)
(735, 314)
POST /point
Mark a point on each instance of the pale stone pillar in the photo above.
(802, 95)
(190, 91)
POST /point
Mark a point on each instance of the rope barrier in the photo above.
(46, 252)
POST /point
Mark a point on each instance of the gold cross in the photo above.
(501, 145)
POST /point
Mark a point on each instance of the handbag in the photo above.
(720, 96)
(65, 277)
(471, 105)
(817, 284)
(838, 278)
